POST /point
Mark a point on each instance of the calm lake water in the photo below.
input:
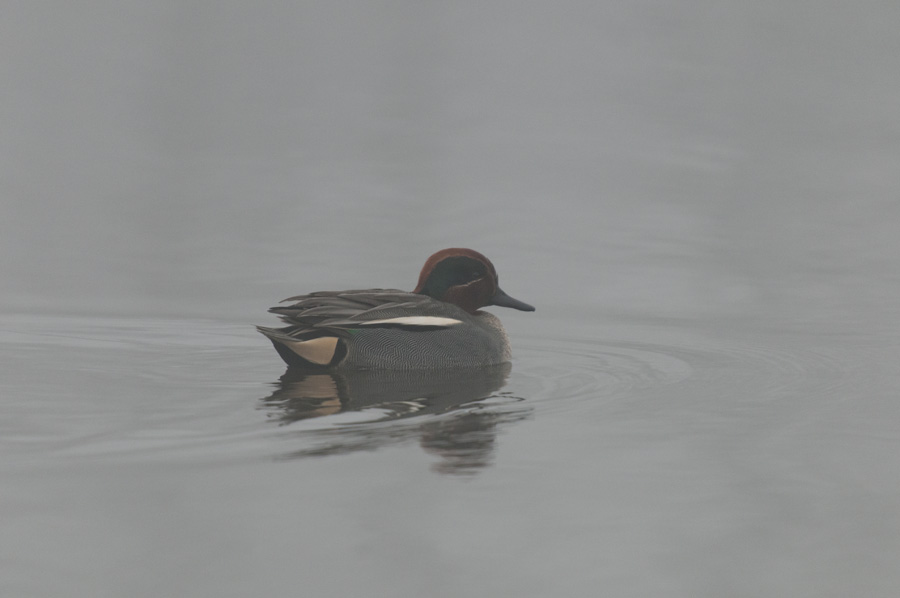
(702, 201)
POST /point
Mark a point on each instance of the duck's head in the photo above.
(465, 278)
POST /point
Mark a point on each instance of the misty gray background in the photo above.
(700, 198)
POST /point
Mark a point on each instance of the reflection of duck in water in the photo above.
(438, 325)
(464, 440)
(303, 394)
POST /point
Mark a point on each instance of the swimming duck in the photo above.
(437, 325)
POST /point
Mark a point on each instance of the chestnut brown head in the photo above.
(465, 278)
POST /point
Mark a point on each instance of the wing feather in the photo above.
(337, 312)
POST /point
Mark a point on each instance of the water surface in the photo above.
(701, 203)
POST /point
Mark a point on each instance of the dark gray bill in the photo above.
(503, 300)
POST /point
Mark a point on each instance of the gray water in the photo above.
(702, 200)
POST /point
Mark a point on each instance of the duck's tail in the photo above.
(318, 352)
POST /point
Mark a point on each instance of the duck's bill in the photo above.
(503, 300)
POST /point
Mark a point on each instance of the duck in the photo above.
(437, 325)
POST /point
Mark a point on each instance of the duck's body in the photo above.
(438, 325)
(385, 329)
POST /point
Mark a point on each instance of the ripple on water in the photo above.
(567, 372)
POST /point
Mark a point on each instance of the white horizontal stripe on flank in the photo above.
(415, 321)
